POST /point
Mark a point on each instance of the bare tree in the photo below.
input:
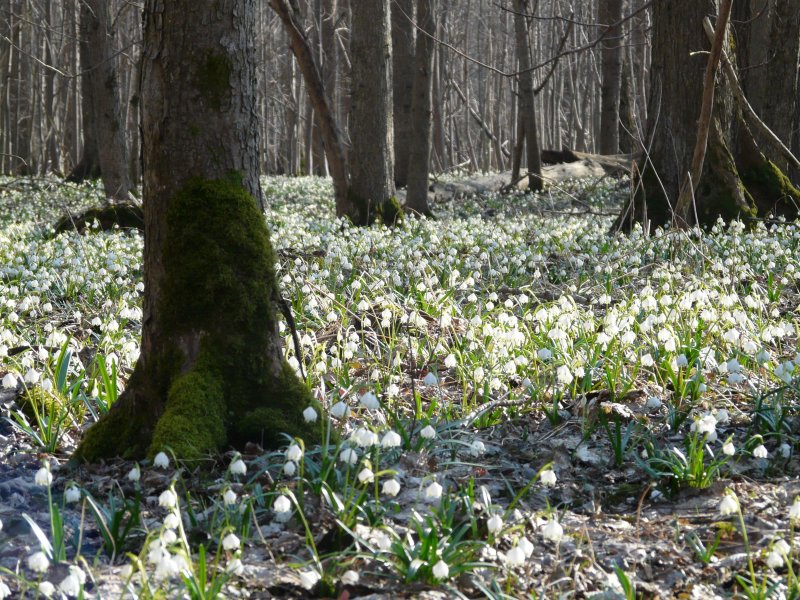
(610, 15)
(527, 114)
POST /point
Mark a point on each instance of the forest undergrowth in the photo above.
(518, 404)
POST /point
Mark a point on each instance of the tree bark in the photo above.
(421, 113)
(404, 72)
(609, 14)
(371, 152)
(736, 180)
(211, 371)
(526, 107)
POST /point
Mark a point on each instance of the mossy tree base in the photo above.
(215, 375)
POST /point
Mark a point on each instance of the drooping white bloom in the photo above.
(365, 438)
(310, 415)
(794, 511)
(760, 451)
(431, 379)
(515, 557)
(785, 450)
(294, 453)
(38, 562)
(722, 416)
(229, 497)
(172, 520)
(441, 570)
(230, 542)
(653, 403)
(168, 499)
(428, 432)
(348, 456)
(168, 537)
(366, 475)
(553, 531)
(544, 354)
(10, 381)
(494, 524)
(45, 588)
(349, 577)
(32, 376)
(526, 546)
(234, 567)
(238, 467)
(340, 410)
(391, 487)
(282, 504)
(391, 439)
(309, 578)
(706, 425)
(728, 449)
(774, 560)
(477, 448)
(548, 477)
(729, 504)
(161, 461)
(450, 362)
(290, 468)
(135, 474)
(43, 477)
(72, 494)
(370, 400)
(70, 586)
(433, 491)
(564, 375)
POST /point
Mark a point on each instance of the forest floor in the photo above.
(575, 414)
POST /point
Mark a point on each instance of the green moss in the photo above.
(365, 213)
(120, 432)
(212, 79)
(35, 400)
(392, 212)
(772, 189)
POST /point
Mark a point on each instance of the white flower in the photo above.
(553, 531)
(167, 499)
(234, 567)
(430, 379)
(10, 381)
(441, 570)
(365, 438)
(391, 487)
(774, 560)
(478, 374)
(728, 448)
(348, 456)
(722, 416)
(782, 546)
(428, 432)
(289, 469)
(294, 453)
(515, 557)
(282, 504)
(309, 579)
(32, 376)
(70, 586)
(349, 577)
(653, 403)
(433, 491)
(5, 591)
(477, 448)
(370, 400)
(310, 415)
(229, 497)
(450, 361)
(238, 467)
(45, 588)
(548, 477)
(681, 360)
(366, 476)
(161, 461)
(729, 504)
(43, 477)
(135, 474)
(706, 425)
(526, 546)
(391, 439)
(785, 450)
(172, 520)
(72, 494)
(340, 410)
(230, 542)
(564, 375)
(760, 451)
(38, 562)
(794, 510)
(544, 354)
(168, 537)
(494, 524)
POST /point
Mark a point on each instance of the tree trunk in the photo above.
(403, 79)
(108, 122)
(371, 153)
(526, 108)
(421, 114)
(211, 371)
(610, 13)
(736, 180)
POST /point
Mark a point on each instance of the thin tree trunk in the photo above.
(403, 76)
(610, 12)
(527, 113)
(421, 114)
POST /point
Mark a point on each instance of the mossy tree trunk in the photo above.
(737, 180)
(211, 370)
